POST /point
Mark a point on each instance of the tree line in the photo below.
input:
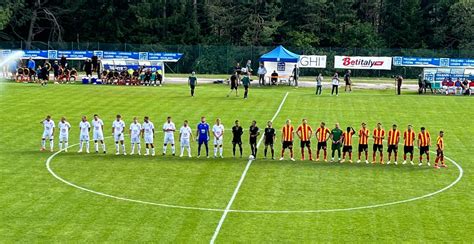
(417, 24)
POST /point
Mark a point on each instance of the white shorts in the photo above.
(169, 139)
(47, 135)
(148, 139)
(135, 139)
(185, 142)
(218, 141)
(98, 136)
(118, 137)
(63, 137)
(84, 137)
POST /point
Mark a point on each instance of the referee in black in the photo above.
(237, 132)
(254, 132)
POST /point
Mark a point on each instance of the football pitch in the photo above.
(71, 197)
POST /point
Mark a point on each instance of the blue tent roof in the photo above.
(280, 54)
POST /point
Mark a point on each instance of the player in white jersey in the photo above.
(218, 131)
(48, 133)
(185, 137)
(168, 129)
(118, 129)
(148, 133)
(64, 127)
(84, 129)
(98, 133)
(135, 133)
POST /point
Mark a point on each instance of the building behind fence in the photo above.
(207, 59)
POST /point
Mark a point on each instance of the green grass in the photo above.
(36, 207)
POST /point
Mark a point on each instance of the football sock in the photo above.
(51, 144)
(66, 144)
(60, 145)
(291, 153)
(273, 153)
(87, 145)
(139, 147)
(221, 150)
(80, 145)
(265, 152)
(123, 147)
(133, 148)
(164, 149)
(43, 143)
(96, 146)
(302, 153)
(153, 151)
(103, 147)
(233, 150)
(147, 150)
(310, 153)
(199, 149)
(173, 149)
(240, 148)
(215, 151)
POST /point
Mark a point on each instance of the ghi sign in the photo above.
(312, 61)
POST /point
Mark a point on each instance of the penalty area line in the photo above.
(241, 180)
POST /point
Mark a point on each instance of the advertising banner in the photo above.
(432, 62)
(360, 62)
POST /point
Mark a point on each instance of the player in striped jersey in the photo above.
(287, 139)
(363, 142)
(424, 142)
(439, 151)
(347, 140)
(409, 138)
(322, 135)
(305, 132)
(393, 139)
(379, 135)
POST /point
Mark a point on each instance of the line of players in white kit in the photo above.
(137, 131)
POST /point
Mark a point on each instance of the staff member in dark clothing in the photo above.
(237, 132)
(56, 70)
(233, 85)
(254, 132)
(192, 81)
(296, 74)
(347, 79)
(246, 83)
(238, 72)
(274, 77)
(399, 80)
(63, 62)
(88, 67)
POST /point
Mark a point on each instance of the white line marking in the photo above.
(241, 180)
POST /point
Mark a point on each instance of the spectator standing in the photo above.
(248, 67)
(238, 70)
(192, 81)
(420, 84)
(399, 80)
(262, 71)
(296, 74)
(319, 84)
(335, 84)
(348, 81)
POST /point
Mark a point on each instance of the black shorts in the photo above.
(305, 143)
(269, 143)
(347, 149)
(363, 148)
(192, 87)
(439, 153)
(408, 149)
(392, 148)
(287, 144)
(425, 149)
(237, 141)
(322, 145)
(377, 147)
(246, 87)
(348, 83)
(253, 141)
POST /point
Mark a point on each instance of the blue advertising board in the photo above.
(81, 55)
(432, 62)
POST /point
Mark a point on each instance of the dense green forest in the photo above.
(429, 24)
